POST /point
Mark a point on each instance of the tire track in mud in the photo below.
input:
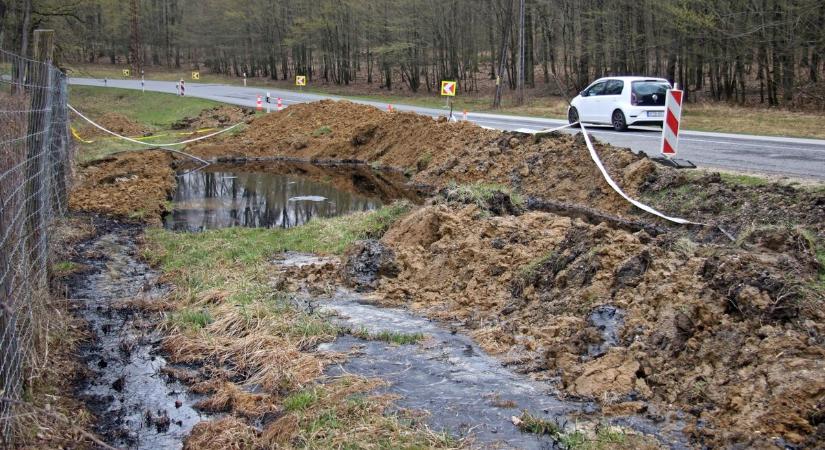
(136, 405)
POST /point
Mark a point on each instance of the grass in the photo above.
(191, 318)
(743, 180)
(157, 110)
(301, 400)
(603, 437)
(321, 131)
(481, 193)
(227, 319)
(819, 253)
(390, 337)
(251, 245)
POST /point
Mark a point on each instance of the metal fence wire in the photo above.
(35, 164)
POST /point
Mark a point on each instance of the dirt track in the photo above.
(731, 333)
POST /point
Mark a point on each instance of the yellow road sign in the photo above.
(196, 75)
(448, 88)
(126, 73)
(301, 80)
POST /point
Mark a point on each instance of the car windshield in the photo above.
(650, 92)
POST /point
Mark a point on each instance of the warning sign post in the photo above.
(448, 89)
(301, 80)
(672, 123)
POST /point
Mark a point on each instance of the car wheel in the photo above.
(618, 120)
(572, 115)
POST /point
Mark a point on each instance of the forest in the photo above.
(749, 52)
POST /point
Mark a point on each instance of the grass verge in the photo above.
(253, 347)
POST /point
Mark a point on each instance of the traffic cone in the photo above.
(389, 108)
(465, 115)
(280, 104)
(259, 105)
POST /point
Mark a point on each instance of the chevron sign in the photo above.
(673, 117)
(448, 88)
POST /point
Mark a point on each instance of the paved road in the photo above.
(798, 158)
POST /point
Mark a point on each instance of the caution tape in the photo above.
(77, 136)
(595, 157)
(162, 146)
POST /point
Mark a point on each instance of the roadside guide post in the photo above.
(244, 79)
(268, 102)
(182, 88)
(672, 121)
(142, 81)
(448, 89)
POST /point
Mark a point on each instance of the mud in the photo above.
(115, 122)
(464, 391)
(126, 388)
(132, 185)
(217, 117)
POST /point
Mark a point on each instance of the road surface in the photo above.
(790, 157)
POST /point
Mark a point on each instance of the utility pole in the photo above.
(135, 46)
(520, 67)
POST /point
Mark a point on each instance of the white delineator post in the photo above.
(182, 88)
(673, 119)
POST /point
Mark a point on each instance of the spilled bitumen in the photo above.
(466, 392)
(136, 405)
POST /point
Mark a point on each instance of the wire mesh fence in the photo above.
(35, 155)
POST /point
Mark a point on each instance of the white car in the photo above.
(621, 102)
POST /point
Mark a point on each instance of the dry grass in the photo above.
(51, 417)
(256, 352)
(752, 120)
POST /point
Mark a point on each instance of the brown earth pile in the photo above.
(438, 152)
(217, 117)
(133, 185)
(557, 167)
(735, 338)
(115, 122)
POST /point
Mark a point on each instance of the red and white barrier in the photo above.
(280, 104)
(259, 105)
(673, 119)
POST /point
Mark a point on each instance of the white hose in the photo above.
(188, 141)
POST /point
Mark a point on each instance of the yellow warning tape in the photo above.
(77, 136)
(143, 138)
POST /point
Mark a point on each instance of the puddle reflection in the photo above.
(230, 197)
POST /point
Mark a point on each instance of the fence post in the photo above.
(39, 130)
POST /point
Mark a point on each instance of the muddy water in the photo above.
(275, 194)
(465, 391)
(136, 405)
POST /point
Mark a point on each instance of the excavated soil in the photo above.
(217, 117)
(570, 291)
(116, 122)
(133, 185)
(556, 167)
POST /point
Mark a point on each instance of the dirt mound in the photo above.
(134, 185)
(217, 117)
(722, 333)
(116, 122)
(436, 152)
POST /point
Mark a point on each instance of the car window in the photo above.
(596, 89)
(614, 87)
(650, 92)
